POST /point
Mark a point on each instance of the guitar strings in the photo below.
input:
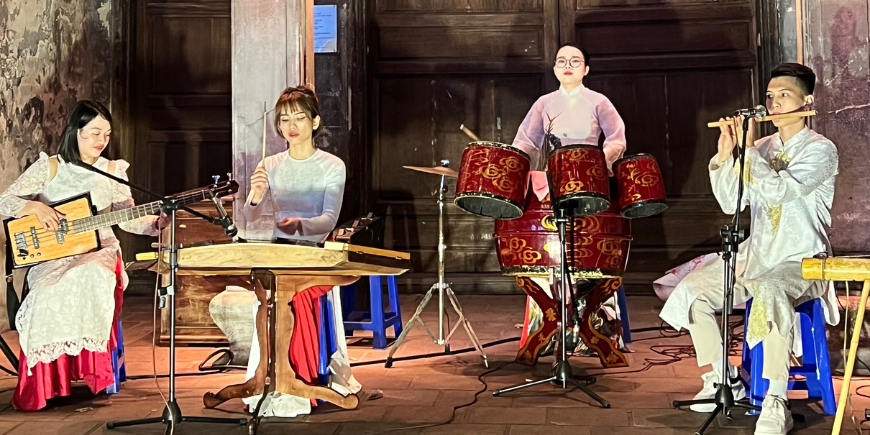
(44, 235)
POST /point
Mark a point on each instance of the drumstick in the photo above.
(264, 130)
(768, 118)
(469, 133)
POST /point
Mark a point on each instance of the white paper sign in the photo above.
(325, 29)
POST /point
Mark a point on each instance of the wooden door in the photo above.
(437, 65)
(669, 67)
(181, 95)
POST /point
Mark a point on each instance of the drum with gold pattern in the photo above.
(492, 180)
(640, 185)
(579, 174)
(529, 246)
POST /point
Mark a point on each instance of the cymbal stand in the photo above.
(443, 288)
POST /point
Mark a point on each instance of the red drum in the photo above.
(492, 180)
(640, 185)
(580, 178)
(529, 246)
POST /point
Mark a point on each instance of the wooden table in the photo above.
(278, 272)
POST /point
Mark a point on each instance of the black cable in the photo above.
(11, 373)
(481, 379)
(436, 354)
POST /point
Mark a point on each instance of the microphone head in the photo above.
(760, 111)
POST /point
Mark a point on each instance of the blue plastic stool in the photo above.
(623, 315)
(375, 320)
(118, 364)
(816, 367)
(328, 344)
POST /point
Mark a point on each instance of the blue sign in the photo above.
(325, 29)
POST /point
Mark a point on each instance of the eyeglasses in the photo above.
(575, 62)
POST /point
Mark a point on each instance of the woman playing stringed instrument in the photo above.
(66, 321)
(305, 186)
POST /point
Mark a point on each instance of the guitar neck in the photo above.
(106, 220)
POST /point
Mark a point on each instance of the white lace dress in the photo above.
(71, 302)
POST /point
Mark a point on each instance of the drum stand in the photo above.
(562, 375)
(442, 288)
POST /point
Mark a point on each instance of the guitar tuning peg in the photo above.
(229, 176)
(216, 178)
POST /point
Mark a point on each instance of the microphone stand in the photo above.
(732, 236)
(562, 373)
(171, 413)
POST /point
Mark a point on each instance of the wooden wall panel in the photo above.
(183, 93)
(463, 43)
(438, 65)
(428, 6)
(182, 79)
(668, 67)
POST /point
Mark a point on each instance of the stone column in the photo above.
(272, 49)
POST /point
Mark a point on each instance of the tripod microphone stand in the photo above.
(562, 373)
(732, 236)
(171, 413)
(442, 288)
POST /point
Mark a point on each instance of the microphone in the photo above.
(756, 112)
(224, 220)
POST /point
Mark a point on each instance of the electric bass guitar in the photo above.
(30, 244)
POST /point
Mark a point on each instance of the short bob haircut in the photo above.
(301, 98)
(804, 75)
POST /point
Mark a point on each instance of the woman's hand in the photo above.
(259, 182)
(47, 216)
(290, 226)
(161, 222)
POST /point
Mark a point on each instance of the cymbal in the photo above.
(437, 170)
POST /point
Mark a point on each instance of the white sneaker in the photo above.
(709, 390)
(775, 418)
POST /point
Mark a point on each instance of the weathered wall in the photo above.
(52, 53)
(836, 47)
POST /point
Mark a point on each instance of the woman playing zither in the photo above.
(305, 186)
(66, 321)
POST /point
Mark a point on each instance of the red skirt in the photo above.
(305, 342)
(54, 379)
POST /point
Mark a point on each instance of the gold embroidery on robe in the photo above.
(774, 214)
(780, 162)
(758, 327)
(747, 171)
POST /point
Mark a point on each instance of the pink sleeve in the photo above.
(614, 131)
(530, 135)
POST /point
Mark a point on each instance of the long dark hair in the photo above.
(82, 114)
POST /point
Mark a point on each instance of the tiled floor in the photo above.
(419, 395)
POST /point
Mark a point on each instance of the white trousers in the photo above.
(707, 337)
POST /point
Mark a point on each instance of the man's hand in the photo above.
(731, 134)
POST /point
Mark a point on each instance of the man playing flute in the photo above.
(789, 188)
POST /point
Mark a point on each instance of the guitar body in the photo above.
(29, 244)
